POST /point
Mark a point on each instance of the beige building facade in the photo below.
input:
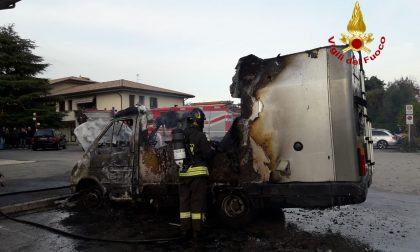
(84, 98)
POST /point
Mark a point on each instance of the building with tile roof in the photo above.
(84, 97)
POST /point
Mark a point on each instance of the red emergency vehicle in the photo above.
(219, 118)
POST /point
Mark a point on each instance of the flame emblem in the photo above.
(357, 39)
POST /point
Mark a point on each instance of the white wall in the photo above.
(70, 116)
(109, 100)
(163, 101)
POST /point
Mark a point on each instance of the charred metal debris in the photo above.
(245, 154)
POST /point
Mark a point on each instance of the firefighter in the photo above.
(193, 179)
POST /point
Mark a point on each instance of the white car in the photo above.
(383, 138)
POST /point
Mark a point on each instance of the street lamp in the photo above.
(34, 118)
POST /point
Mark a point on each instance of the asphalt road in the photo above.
(25, 170)
(389, 220)
(28, 169)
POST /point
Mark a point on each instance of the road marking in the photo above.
(3, 227)
(13, 162)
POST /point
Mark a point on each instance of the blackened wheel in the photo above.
(92, 198)
(382, 144)
(234, 208)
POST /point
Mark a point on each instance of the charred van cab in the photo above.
(303, 139)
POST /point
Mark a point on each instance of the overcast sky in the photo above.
(193, 46)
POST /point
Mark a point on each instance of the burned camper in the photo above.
(302, 139)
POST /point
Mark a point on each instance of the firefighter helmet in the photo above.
(197, 116)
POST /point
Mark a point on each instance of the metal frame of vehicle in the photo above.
(315, 100)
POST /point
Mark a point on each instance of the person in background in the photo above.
(7, 142)
(15, 138)
(2, 137)
(29, 135)
(22, 138)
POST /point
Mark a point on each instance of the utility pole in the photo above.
(409, 118)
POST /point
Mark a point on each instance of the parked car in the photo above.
(48, 138)
(383, 138)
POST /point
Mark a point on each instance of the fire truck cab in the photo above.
(219, 118)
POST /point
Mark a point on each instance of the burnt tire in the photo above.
(234, 209)
(382, 145)
(92, 198)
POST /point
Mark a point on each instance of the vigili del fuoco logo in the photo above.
(356, 39)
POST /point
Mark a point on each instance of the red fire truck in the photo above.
(219, 118)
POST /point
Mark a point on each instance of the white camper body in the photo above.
(316, 101)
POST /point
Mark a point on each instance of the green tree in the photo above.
(22, 93)
(397, 95)
(374, 95)
(373, 83)
(374, 100)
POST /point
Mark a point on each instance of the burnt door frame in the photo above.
(112, 162)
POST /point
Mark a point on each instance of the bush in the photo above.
(413, 146)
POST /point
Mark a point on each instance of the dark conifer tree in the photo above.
(22, 93)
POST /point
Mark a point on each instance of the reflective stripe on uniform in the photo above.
(185, 215)
(196, 216)
(195, 171)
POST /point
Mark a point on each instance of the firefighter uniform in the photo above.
(193, 181)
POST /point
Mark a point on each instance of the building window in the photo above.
(61, 106)
(70, 105)
(141, 100)
(131, 101)
(153, 102)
